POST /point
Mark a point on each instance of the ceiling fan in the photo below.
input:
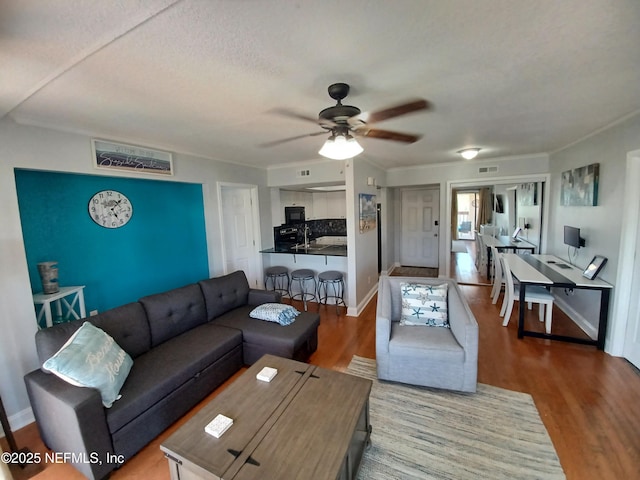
(343, 122)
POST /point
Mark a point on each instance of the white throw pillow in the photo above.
(424, 304)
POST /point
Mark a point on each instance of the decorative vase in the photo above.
(49, 277)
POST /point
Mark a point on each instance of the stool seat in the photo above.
(303, 273)
(302, 276)
(277, 271)
(330, 275)
(334, 279)
(279, 277)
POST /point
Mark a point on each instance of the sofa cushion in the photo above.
(174, 312)
(127, 325)
(91, 358)
(166, 367)
(428, 343)
(225, 293)
(424, 304)
(281, 340)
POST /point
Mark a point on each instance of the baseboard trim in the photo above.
(354, 312)
(20, 419)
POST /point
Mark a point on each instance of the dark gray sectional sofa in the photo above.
(184, 343)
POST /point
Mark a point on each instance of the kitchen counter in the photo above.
(325, 250)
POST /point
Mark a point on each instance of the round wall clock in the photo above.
(110, 209)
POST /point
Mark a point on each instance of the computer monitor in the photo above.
(572, 237)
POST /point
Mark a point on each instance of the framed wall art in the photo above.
(368, 213)
(119, 156)
(579, 187)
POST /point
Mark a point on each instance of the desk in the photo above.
(60, 299)
(504, 242)
(544, 270)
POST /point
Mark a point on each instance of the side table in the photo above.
(45, 300)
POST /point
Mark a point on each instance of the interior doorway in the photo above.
(467, 214)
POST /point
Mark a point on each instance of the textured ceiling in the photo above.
(513, 77)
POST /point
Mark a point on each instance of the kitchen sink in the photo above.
(310, 248)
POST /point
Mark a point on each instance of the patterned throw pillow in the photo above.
(275, 312)
(91, 358)
(424, 305)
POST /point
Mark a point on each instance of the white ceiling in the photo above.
(513, 77)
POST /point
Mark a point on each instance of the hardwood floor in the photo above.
(586, 398)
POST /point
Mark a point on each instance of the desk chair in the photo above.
(533, 294)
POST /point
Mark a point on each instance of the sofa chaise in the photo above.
(431, 356)
(184, 344)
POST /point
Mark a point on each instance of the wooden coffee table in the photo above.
(307, 423)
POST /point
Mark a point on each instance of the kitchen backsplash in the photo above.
(333, 227)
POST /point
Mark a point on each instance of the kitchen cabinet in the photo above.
(318, 205)
(329, 205)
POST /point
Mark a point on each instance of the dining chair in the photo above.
(533, 294)
(481, 252)
(498, 277)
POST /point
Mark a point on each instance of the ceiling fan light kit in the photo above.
(469, 153)
(341, 147)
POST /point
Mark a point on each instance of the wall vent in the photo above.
(303, 173)
(492, 169)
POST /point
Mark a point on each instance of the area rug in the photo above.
(414, 272)
(424, 433)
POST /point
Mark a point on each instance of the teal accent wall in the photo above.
(162, 247)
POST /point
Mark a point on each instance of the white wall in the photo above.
(320, 172)
(44, 149)
(600, 225)
(362, 247)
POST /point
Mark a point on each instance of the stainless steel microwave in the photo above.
(293, 215)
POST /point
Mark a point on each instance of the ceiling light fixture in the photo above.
(340, 147)
(469, 153)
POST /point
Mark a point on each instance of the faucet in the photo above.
(307, 231)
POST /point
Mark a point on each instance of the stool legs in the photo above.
(338, 292)
(280, 283)
(302, 277)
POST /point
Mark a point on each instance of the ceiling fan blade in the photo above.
(290, 139)
(323, 122)
(388, 135)
(291, 114)
(392, 112)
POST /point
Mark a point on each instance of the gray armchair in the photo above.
(429, 356)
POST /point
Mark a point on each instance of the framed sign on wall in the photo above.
(119, 156)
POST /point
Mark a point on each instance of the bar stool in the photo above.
(278, 276)
(336, 281)
(302, 276)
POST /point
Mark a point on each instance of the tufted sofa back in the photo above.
(225, 293)
(139, 326)
(127, 325)
(174, 312)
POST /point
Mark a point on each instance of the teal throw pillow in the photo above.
(424, 305)
(91, 358)
(275, 312)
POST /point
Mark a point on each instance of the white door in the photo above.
(632, 338)
(240, 245)
(420, 228)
